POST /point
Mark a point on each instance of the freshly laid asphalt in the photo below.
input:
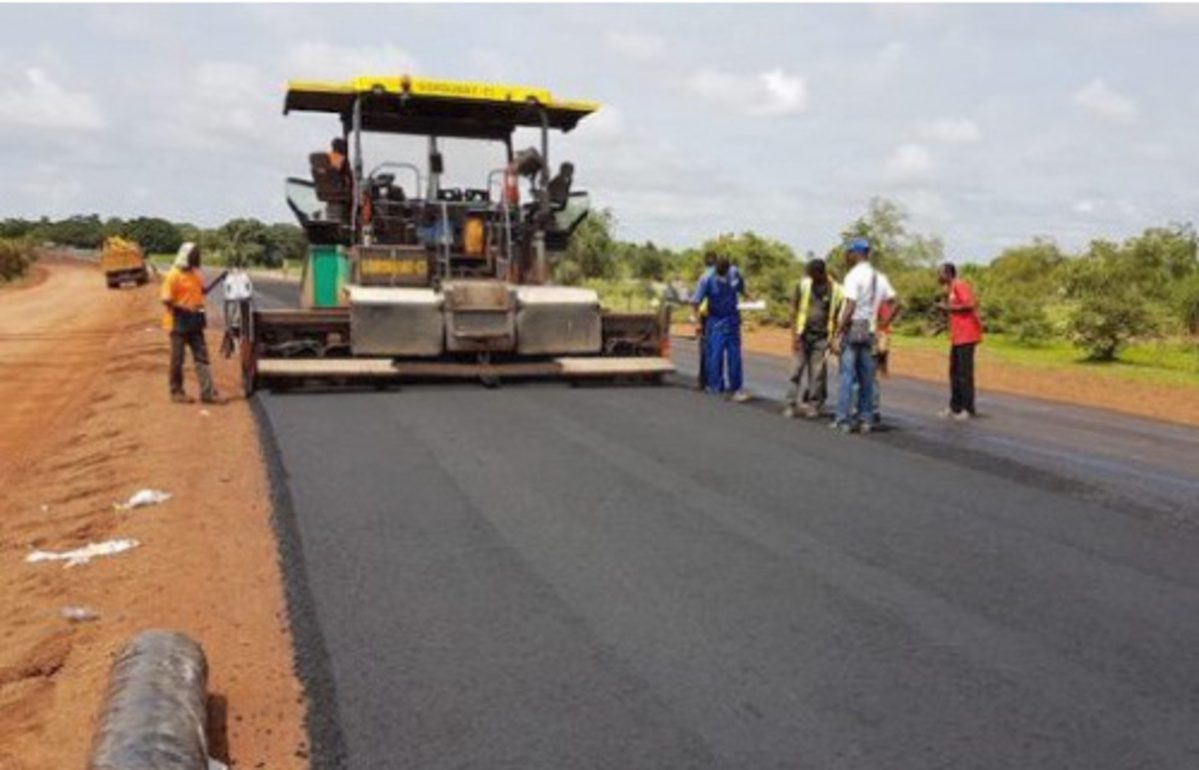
(546, 576)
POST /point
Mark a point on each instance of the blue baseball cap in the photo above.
(858, 244)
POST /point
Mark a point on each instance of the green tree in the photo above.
(592, 249)
(285, 242)
(770, 268)
(1186, 303)
(647, 261)
(241, 242)
(1017, 286)
(190, 233)
(1109, 307)
(1163, 255)
(15, 228)
(82, 232)
(154, 235)
(893, 247)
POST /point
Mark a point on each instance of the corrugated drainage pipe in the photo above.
(154, 715)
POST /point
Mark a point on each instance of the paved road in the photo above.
(1141, 465)
(542, 576)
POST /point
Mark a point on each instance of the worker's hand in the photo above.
(834, 345)
(796, 343)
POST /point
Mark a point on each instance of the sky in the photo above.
(990, 125)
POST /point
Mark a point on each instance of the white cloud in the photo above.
(773, 92)
(1104, 102)
(641, 46)
(926, 205)
(55, 189)
(909, 161)
(42, 103)
(889, 58)
(1084, 207)
(607, 125)
(222, 107)
(492, 65)
(950, 131)
(323, 61)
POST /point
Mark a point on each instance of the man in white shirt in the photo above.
(853, 338)
(238, 287)
(238, 290)
(886, 310)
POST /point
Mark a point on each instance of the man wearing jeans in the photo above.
(965, 332)
(853, 338)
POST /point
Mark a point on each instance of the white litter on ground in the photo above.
(142, 498)
(79, 614)
(205, 413)
(83, 555)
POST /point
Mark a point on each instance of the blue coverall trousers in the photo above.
(723, 336)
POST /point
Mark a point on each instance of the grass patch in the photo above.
(635, 296)
(1173, 361)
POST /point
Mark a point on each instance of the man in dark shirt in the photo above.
(815, 306)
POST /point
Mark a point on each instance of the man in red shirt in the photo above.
(965, 332)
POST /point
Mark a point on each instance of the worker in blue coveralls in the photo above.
(721, 287)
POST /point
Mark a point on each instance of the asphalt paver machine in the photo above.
(406, 278)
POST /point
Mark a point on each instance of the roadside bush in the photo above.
(1186, 302)
(1021, 317)
(1103, 325)
(1109, 307)
(919, 293)
(567, 272)
(16, 255)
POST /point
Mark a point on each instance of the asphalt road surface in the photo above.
(545, 576)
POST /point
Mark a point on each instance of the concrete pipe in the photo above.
(154, 715)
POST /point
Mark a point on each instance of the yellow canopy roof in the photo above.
(427, 106)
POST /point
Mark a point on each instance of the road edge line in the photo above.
(326, 740)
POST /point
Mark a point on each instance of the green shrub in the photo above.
(1110, 306)
(1186, 303)
(1022, 317)
(1103, 325)
(16, 255)
(919, 294)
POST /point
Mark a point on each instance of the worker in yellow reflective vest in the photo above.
(815, 306)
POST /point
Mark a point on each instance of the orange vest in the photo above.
(184, 288)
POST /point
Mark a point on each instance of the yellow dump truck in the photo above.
(122, 262)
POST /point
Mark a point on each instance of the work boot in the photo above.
(963, 416)
(741, 396)
(809, 411)
(789, 411)
(864, 428)
(215, 398)
(182, 398)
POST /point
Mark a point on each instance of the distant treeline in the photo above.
(1102, 297)
(247, 241)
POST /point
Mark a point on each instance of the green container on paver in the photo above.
(328, 268)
